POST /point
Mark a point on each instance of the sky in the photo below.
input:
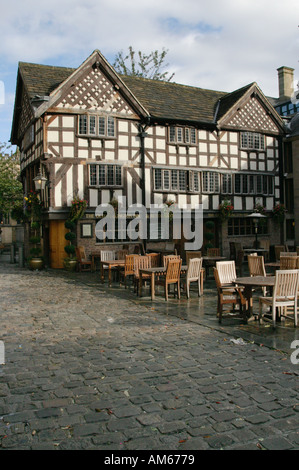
(213, 44)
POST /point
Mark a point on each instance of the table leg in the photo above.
(248, 297)
(102, 274)
(153, 286)
(140, 284)
(109, 276)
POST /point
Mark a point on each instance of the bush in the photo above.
(70, 236)
(70, 249)
(70, 225)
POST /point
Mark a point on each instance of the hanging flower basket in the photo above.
(279, 212)
(78, 207)
(259, 208)
(225, 209)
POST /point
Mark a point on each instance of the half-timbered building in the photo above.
(100, 135)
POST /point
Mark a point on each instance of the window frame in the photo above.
(109, 126)
(178, 180)
(117, 175)
(254, 141)
(182, 135)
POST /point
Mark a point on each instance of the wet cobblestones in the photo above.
(88, 367)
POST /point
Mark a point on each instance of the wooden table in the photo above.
(153, 272)
(249, 283)
(111, 264)
(273, 264)
(247, 251)
(94, 255)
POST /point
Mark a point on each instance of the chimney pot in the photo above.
(285, 83)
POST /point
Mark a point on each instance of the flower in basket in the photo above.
(78, 207)
(259, 208)
(33, 205)
(226, 208)
(279, 212)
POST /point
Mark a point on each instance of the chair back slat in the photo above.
(173, 270)
(130, 264)
(141, 262)
(256, 265)
(154, 259)
(81, 253)
(166, 258)
(213, 252)
(191, 255)
(226, 271)
(288, 262)
(107, 255)
(121, 254)
(286, 283)
(194, 268)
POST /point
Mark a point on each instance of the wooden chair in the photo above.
(139, 263)
(284, 295)
(278, 249)
(121, 254)
(166, 258)
(195, 254)
(226, 272)
(265, 244)
(108, 255)
(228, 295)
(154, 259)
(288, 253)
(213, 252)
(194, 274)
(84, 264)
(288, 262)
(239, 262)
(256, 267)
(172, 276)
(192, 254)
(129, 268)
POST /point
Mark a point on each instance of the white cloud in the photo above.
(218, 44)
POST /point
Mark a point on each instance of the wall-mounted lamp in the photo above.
(40, 182)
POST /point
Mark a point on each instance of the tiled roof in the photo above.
(41, 80)
(163, 100)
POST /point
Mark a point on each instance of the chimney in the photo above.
(285, 83)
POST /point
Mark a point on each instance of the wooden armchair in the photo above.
(284, 295)
(84, 264)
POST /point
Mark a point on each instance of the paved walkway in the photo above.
(88, 367)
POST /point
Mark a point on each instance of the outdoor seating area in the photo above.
(157, 275)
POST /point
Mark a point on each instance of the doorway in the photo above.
(57, 243)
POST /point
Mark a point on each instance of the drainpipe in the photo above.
(142, 134)
(281, 184)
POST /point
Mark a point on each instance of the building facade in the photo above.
(99, 135)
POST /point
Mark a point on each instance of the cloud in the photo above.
(221, 45)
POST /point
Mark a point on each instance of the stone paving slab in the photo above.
(92, 367)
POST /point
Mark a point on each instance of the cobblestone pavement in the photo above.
(88, 367)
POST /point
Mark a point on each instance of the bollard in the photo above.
(12, 253)
(21, 256)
